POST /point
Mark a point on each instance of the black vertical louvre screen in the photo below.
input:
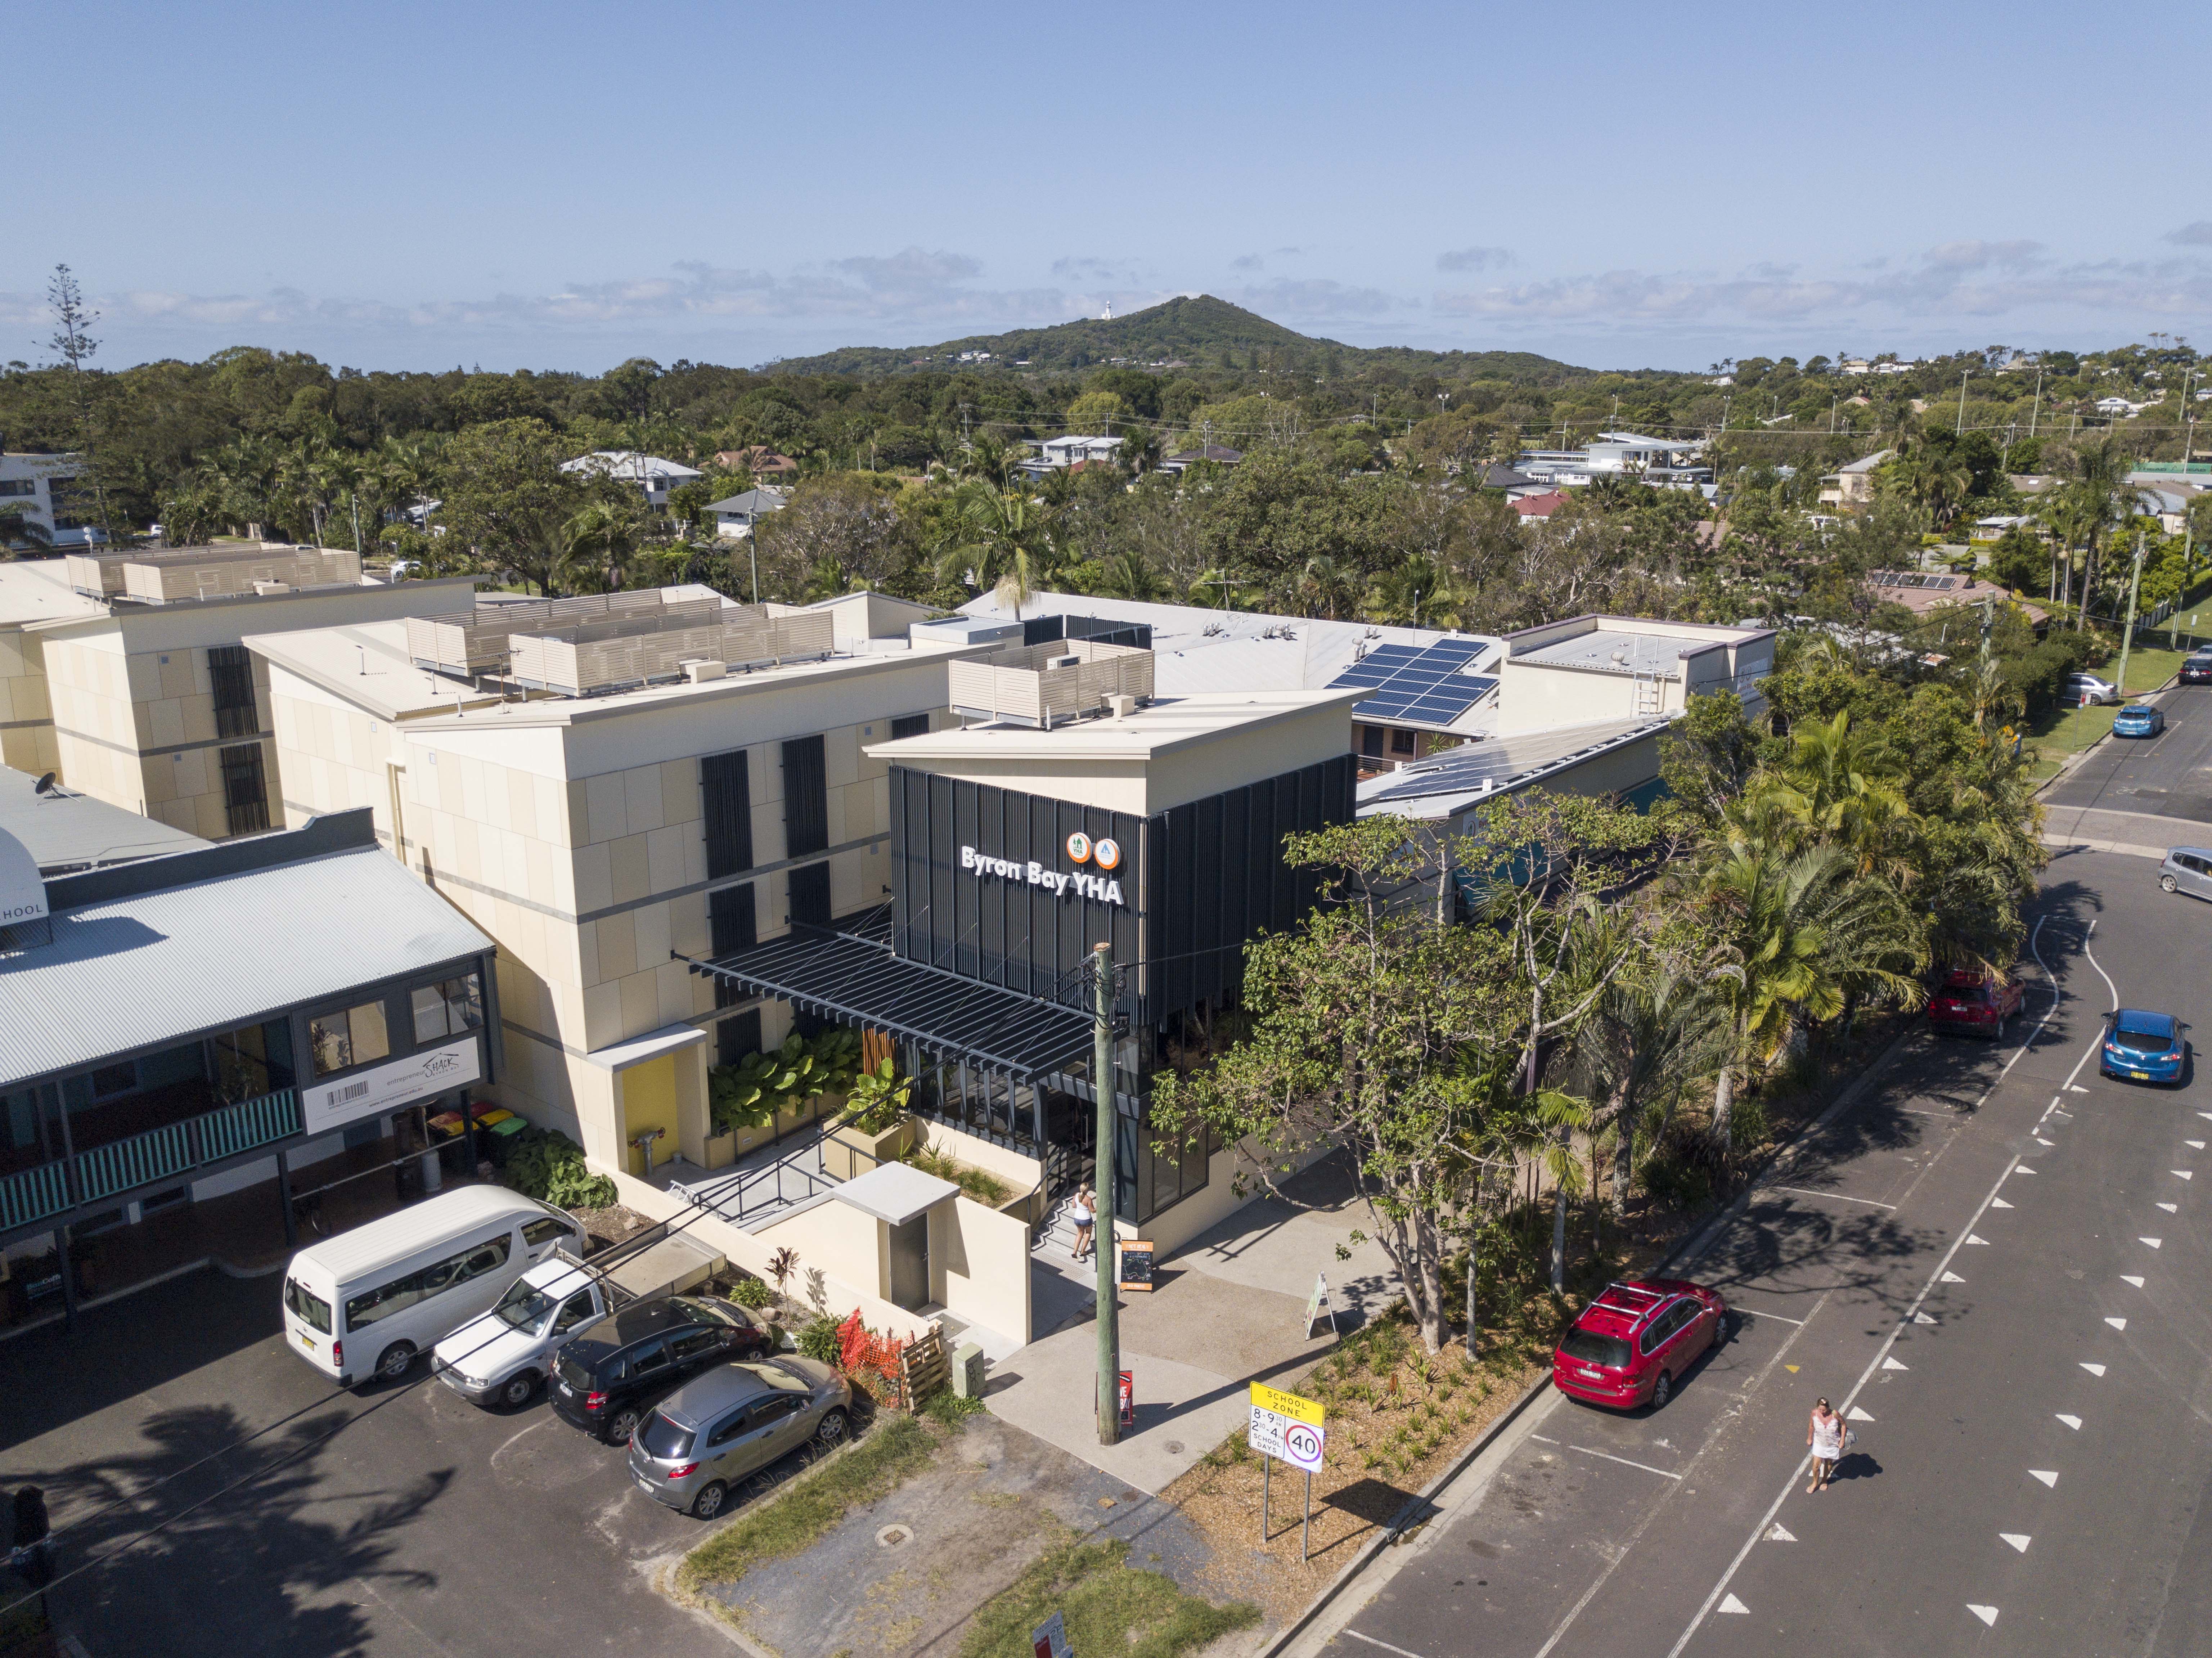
(806, 798)
(725, 788)
(809, 895)
(732, 925)
(230, 672)
(244, 795)
(736, 1036)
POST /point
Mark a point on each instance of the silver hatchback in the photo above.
(720, 1428)
(2187, 869)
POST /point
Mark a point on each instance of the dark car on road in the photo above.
(2144, 1046)
(1634, 1342)
(2197, 669)
(606, 1381)
(1974, 1003)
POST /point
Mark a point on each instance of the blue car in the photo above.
(2144, 1047)
(2138, 719)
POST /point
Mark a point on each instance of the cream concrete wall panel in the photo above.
(606, 806)
(618, 944)
(841, 756)
(979, 1266)
(631, 869)
(857, 880)
(641, 1012)
(649, 927)
(642, 791)
(165, 723)
(595, 878)
(663, 856)
(679, 793)
(689, 928)
(677, 1000)
(1249, 754)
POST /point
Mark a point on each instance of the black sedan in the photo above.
(2196, 670)
(607, 1379)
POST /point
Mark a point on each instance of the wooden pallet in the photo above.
(923, 1369)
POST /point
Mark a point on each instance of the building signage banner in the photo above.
(325, 1106)
(1104, 889)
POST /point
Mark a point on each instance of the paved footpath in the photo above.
(1994, 1262)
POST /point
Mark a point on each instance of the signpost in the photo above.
(1292, 1428)
(1049, 1639)
(1136, 1261)
(1317, 1306)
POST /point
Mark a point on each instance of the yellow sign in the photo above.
(1265, 1398)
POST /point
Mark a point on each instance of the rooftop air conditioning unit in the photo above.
(699, 672)
(273, 588)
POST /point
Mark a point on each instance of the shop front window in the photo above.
(347, 1036)
(452, 1008)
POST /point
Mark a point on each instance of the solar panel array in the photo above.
(1421, 684)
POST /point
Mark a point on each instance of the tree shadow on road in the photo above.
(254, 1545)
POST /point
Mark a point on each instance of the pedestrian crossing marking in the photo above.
(2045, 1475)
(1731, 1604)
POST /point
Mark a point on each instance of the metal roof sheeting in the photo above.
(137, 971)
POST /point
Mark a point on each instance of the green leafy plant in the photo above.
(879, 1097)
(820, 1340)
(751, 1093)
(752, 1292)
(546, 1164)
(984, 1189)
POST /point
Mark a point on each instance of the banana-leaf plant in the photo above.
(879, 1098)
(752, 1092)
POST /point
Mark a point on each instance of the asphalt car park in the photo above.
(239, 1504)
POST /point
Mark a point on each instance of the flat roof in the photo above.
(38, 590)
(1606, 652)
(138, 965)
(65, 831)
(896, 1192)
(1167, 723)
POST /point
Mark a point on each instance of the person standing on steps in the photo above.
(1824, 1434)
(1086, 1218)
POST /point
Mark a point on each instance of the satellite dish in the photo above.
(44, 785)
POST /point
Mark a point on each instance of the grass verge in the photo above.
(1108, 1607)
(2060, 735)
(795, 1517)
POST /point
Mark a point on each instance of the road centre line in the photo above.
(1625, 1462)
(1804, 1191)
(1927, 1288)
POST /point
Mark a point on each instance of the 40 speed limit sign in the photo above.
(1287, 1427)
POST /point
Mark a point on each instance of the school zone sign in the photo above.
(1105, 857)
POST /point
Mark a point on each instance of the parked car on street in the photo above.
(719, 1430)
(607, 1379)
(2196, 668)
(500, 1359)
(2144, 1046)
(2187, 869)
(2082, 688)
(1975, 1003)
(2138, 719)
(1631, 1344)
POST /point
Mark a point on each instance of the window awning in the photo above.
(863, 983)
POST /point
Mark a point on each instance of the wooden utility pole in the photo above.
(1102, 1249)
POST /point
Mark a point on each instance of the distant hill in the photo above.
(1200, 331)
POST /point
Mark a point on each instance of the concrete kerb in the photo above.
(2071, 760)
(1417, 1511)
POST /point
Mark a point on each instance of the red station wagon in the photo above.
(1631, 1342)
(1974, 1002)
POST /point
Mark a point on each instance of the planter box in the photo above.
(721, 1151)
(850, 1153)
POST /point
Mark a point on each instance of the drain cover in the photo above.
(1175, 1448)
(891, 1536)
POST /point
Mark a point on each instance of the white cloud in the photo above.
(1475, 259)
(2198, 235)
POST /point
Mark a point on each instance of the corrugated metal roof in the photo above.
(133, 972)
(65, 830)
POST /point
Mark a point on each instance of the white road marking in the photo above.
(2023, 1169)
(1385, 1645)
(1999, 1203)
(1662, 1473)
(2018, 1539)
(2093, 1370)
(1951, 1277)
(2075, 1088)
(2045, 1475)
(1855, 1414)
(1840, 1196)
(1731, 1604)
(1753, 1312)
(2194, 1146)
(1941, 1273)
(1541, 1439)
(1971, 1238)
(2118, 1323)
(2039, 1140)
(1779, 1535)
(2152, 1242)
(1890, 1363)
(2073, 1422)
(1922, 1318)
(2207, 1115)
(1987, 1615)
(2170, 1208)
(2128, 1278)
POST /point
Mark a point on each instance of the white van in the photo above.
(367, 1302)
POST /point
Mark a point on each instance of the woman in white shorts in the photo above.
(1826, 1435)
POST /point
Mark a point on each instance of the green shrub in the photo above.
(546, 1164)
(879, 1097)
(752, 1292)
(750, 1093)
(819, 1340)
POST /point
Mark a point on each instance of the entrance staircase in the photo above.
(1056, 1238)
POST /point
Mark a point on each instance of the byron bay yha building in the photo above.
(1023, 838)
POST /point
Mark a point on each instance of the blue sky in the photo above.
(562, 186)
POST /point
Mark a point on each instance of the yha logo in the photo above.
(1083, 849)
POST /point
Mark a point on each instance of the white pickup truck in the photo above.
(500, 1359)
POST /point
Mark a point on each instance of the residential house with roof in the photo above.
(1213, 454)
(653, 476)
(1852, 486)
(736, 516)
(1672, 463)
(1923, 591)
(1057, 454)
(759, 459)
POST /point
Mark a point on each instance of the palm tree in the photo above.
(1792, 936)
(1651, 1034)
(1001, 534)
(2098, 501)
(601, 541)
(1832, 790)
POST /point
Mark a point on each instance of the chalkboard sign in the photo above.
(1136, 1265)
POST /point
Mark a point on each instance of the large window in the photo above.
(230, 667)
(412, 1289)
(347, 1036)
(451, 1009)
(725, 789)
(244, 795)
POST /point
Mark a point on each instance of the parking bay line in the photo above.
(1385, 1645)
(1804, 1191)
(1625, 1462)
(1753, 1312)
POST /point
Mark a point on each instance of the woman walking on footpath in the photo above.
(1086, 1218)
(1826, 1435)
